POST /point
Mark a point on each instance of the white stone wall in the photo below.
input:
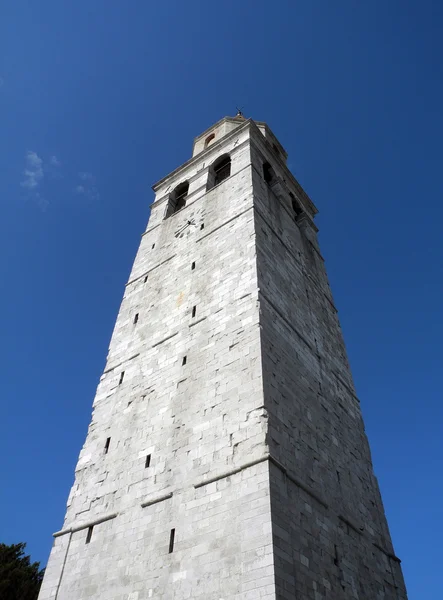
(199, 422)
(330, 534)
(258, 459)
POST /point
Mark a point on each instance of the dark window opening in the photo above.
(194, 310)
(295, 206)
(89, 534)
(219, 171)
(136, 319)
(153, 246)
(171, 541)
(193, 266)
(202, 226)
(209, 139)
(222, 169)
(335, 555)
(184, 360)
(268, 173)
(146, 278)
(122, 375)
(108, 441)
(177, 199)
(147, 461)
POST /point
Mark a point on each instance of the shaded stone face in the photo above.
(226, 457)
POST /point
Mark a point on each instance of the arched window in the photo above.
(298, 211)
(177, 198)
(219, 171)
(209, 139)
(268, 173)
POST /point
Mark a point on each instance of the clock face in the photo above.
(190, 224)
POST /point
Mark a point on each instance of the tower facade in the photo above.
(226, 458)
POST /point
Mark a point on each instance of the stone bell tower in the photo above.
(226, 458)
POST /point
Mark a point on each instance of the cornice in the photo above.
(204, 153)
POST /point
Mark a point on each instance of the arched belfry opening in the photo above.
(296, 208)
(268, 174)
(209, 139)
(177, 199)
(219, 171)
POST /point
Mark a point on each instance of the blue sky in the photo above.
(100, 99)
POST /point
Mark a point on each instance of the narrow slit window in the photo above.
(184, 360)
(108, 441)
(335, 555)
(153, 246)
(202, 226)
(136, 319)
(146, 278)
(171, 541)
(193, 266)
(148, 461)
(194, 311)
(89, 534)
(122, 376)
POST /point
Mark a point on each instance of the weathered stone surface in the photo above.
(252, 449)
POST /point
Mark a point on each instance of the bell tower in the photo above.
(226, 458)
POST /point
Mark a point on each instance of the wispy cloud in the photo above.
(33, 173)
(55, 162)
(87, 187)
(41, 201)
(40, 176)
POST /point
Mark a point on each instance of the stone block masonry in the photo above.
(226, 458)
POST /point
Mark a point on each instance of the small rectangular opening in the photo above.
(194, 311)
(171, 541)
(202, 226)
(335, 555)
(147, 461)
(122, 375)
(268, 173)
(193, 266)
(108, 441)
(135, 319)
(146, 279)
(89, 534)
(153, 246)
(184, 360)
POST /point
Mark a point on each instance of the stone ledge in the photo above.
(225, 223)
(350, 524)
(156, 500)
(164, 339)
(297, 482)
(121, 363)
(85, 525)
(150, 270)
(232, 472)
(388, 554)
